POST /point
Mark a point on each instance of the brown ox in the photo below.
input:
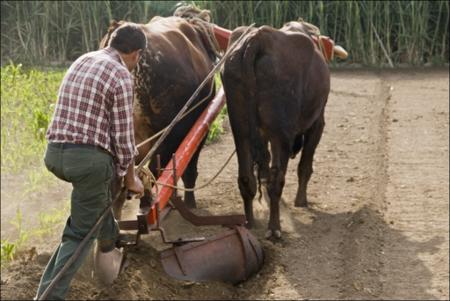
(178, 57)
(276, 84)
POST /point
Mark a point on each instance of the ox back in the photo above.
(276, 84)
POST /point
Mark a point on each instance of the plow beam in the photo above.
(184, 154)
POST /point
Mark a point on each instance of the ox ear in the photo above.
(112, 26)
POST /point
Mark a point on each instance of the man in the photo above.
(90, 138)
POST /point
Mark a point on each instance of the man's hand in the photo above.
(133, 183)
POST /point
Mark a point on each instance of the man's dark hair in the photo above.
(127, 38)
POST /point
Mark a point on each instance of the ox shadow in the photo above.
(352, 255)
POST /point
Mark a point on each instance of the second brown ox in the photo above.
(277, 84)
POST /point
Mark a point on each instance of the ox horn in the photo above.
(340, 52)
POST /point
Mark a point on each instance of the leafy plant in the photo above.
(41, 121)
(22, 234)
(50, 221)
(216, 128)
(7, 251)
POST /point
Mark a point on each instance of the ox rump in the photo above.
(232, 256)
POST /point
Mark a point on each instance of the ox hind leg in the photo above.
(305, 167)
(278, 167)
(263, 170)
(246, 181)
(190, 177)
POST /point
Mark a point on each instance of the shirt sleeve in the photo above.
(122, 129)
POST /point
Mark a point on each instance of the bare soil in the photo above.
(378, 222)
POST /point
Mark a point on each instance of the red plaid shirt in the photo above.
(95, 106)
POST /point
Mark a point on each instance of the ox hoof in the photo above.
(249, 225)
(265, 194)
(301, 204)
(191, 204)
(273, 233)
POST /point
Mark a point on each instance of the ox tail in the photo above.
(252, 51)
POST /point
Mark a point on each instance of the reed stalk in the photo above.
(411, 32)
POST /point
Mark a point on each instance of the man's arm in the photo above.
(132, 181)
(122, 130)
(122, 134)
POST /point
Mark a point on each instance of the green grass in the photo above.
(9, 248)
(49, 222)
(28, 96)
(216, 128)
(27, 102)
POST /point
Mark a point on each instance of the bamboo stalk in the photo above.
(410, 31)
(445, 35)
(382, 46)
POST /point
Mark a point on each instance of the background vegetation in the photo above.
(28, 96)
(27, 101)
(412, 32)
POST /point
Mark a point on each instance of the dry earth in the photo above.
(378, 222)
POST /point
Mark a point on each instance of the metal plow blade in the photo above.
(232, 256)
(108, 265)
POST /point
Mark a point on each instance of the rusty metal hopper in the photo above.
(232, 256)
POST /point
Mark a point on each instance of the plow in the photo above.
(231, 256)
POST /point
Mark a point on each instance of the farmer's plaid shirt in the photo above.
(95, 106)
